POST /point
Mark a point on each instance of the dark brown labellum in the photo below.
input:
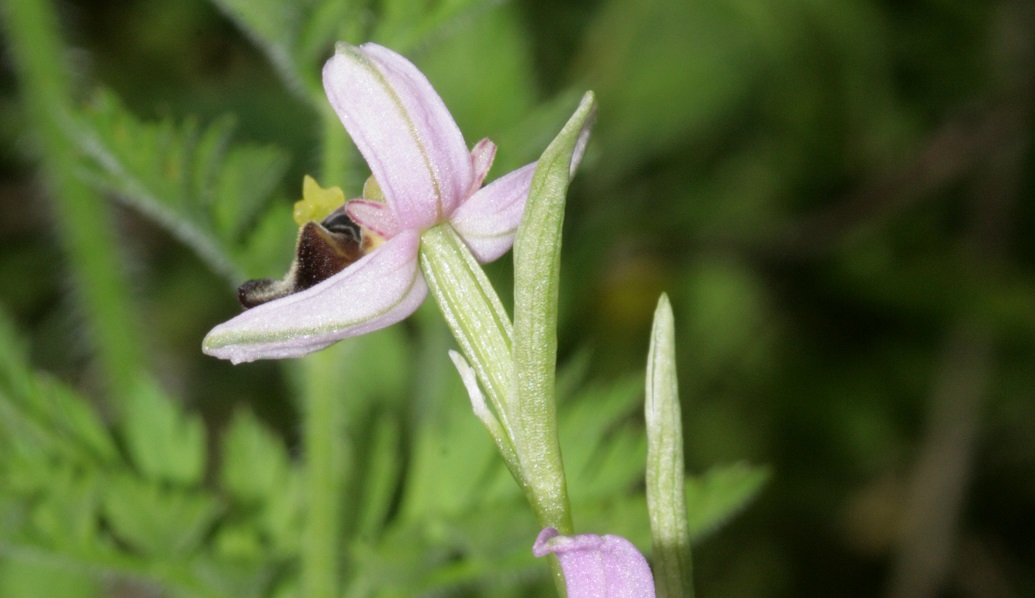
(323, 249)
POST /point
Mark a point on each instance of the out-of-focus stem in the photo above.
(327, 455)
(324, 459)
(83, 218)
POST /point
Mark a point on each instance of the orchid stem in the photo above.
(82, 217)
(323, 475)
(334, 153)
(325, 452)
(482, 329)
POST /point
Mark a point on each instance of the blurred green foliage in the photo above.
(836, 196)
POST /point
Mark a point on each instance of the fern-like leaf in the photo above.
(206, 191)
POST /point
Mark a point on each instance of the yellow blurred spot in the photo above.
(317, 202)
(372, 191)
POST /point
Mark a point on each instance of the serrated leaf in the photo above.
(716, 496)
(243, 186)
(255, 462)
(157, 520)
(282, 517)
(195, 183)
(165, 444)
(41, 418)
(404, 24)
(65, 514)
(273, 26)
(601, 455)
(258, 473)
(76, 418)
(326, 24)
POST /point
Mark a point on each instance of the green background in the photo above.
(837, 197)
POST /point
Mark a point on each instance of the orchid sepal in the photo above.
(488, 221)
(374, 215)
(483, 154)
(598, 566)
(404, 131)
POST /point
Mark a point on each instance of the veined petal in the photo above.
(488, 220)
(598, 566)
(404, 131)
(378, 290)
(482, 155)
(374, 215)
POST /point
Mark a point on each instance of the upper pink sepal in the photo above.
(482, 156)
(380, 289)
(401, 126)
(488, 220)
(598, 566)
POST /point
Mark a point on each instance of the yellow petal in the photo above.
(317, 202)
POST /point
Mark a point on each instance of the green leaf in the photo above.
(65, 515)
(537, 259)
(719, 494)
(259, 475)
(297, 36)
(273, 26)
(404, 24)
(41, 418)
(166, 444)
(255, 462)
(666, 496)
(19, 579)
(381, 479)
(604, 455)
(472, 310)
(451, 460)
(193, 182)
(156, 520)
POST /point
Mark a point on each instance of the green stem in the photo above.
(479, 323)
(82, 217)
(334, 153)
(327, 457)
(472, 309)
(324, 465)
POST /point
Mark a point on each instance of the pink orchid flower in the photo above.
(427, 176)
(598, 566)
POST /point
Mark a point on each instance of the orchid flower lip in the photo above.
(387, 282)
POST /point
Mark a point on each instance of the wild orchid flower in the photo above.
(598, 566)
(426, 177)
